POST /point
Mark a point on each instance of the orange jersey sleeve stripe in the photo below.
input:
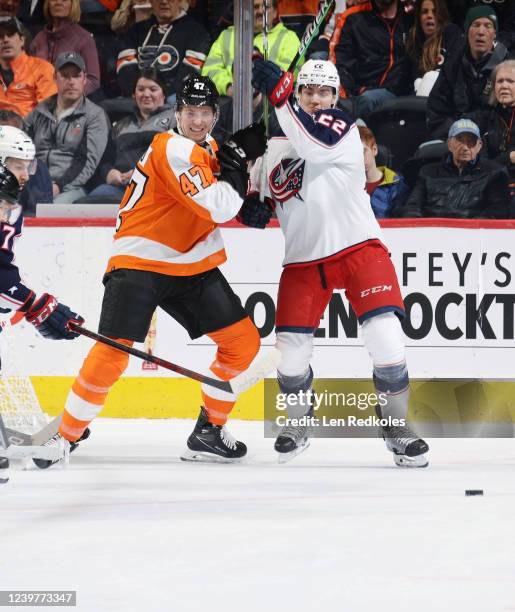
(169, 215)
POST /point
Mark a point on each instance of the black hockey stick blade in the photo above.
(256, 372)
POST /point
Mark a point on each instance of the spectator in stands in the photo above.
(129, 13)
(432, 39)
(24, 80)
(29, 13)
(464, 83)
(99, 6)
(369, 50)
(131, 137)
(9, 8)
(70, 132)
(505, 10)
(297, 14)
(39, 186)
(463, 185)
(498, 124)
(283, 45)
(387, 189)
(170, 41)
(319, 48)
(18, 9)
(63, 33)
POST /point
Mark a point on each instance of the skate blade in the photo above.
(286, 457)
(202, 457)
(403, 461)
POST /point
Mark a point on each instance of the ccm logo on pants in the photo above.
(377, 289)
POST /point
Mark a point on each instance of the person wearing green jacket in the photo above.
(283, 44)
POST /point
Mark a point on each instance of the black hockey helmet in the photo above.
(9, 186)
(197, 90)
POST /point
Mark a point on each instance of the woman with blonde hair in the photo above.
(63, 33)
(498, 123)
(431, 40)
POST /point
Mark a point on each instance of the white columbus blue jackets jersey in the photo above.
(13, 293)
(316, 178)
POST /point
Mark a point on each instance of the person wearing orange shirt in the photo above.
(297, 14)
(166, 252)
(24, 80)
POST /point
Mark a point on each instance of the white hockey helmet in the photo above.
(15, 143)
(319, 73)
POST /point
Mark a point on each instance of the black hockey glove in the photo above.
(254, 212)
(252, 140)
(233, 166)
(51, 318)
(269, 79)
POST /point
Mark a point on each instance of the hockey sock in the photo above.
(101, 369)
(392, 382)
(300, 386)
(238, 344)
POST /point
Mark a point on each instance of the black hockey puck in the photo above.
(470, 492)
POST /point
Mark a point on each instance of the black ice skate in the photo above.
(294, 439)
(4, 470)
(210, 442)
(63, 449)
(407, 448)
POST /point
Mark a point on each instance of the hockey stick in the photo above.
(309, 35)
(311, 31)
(20, 445)
(256, 372)
(266, 102)
(4, 439)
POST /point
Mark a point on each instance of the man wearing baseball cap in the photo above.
(24, 80)
(464, 83)
(72, 58)
(70, 132)
(462, 185)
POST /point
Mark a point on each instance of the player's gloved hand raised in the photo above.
(269, 79)
(51, 318)
(252, 140)
(254, 212)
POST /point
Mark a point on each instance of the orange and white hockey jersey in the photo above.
(168, 217)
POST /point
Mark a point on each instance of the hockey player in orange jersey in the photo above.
(166, 252)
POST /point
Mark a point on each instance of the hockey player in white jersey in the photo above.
(51, 318)
(316, 180)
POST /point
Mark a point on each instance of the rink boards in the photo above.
(456, 278)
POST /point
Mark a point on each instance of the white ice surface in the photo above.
(340, 528)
